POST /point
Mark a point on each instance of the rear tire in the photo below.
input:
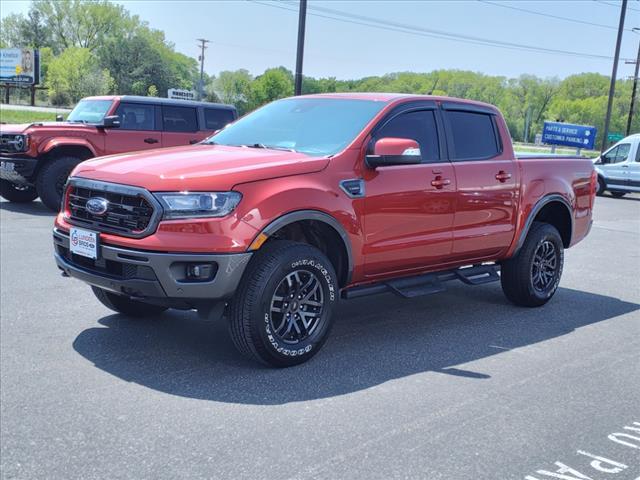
(52, 178)
(281, 314)
(17, 193)
(531, 278)
(125, 305)
(602, 186)
(618, 194)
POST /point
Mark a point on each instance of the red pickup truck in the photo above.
(36, 159)
(316, 198)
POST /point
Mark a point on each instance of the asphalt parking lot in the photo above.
(459, 385)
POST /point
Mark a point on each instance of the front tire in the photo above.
(52, 178)
(281, 314)
(17, 193)
(618, 194)
(602, 186)
(125, 305)
(531, 278)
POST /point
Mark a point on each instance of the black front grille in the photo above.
(126, 214)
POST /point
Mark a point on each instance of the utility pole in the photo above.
(633, 91)
(203, 45)
(614, 73)
(302, 16)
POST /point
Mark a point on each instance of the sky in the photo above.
(258, 34)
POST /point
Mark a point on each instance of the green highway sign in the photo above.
(615, 137)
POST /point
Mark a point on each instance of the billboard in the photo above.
(569, 135)
(20, 66)
(179, 94)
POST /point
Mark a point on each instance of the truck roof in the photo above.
(161, 101)
(391, 97)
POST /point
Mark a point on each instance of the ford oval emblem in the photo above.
(97, 205)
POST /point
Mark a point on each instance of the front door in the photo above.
(615, 166)
(138, 129)
(409, 208)
(487, 183)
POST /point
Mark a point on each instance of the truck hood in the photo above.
(57, 128)
(198, 167)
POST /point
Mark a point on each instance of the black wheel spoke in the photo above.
(544, 268)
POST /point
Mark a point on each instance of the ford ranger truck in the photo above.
(36, 159)
(311, 199)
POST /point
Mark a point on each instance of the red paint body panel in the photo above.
(412, 218)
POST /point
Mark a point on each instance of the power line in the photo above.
(424, 32)
(548, 15)
(616, 6)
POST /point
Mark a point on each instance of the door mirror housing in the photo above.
(59, 118)
(111, 121)
(394, 151)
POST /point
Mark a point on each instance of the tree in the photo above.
(75, 74)
(273, 84)
(233, 88)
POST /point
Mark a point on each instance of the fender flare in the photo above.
(316, 215)
(535, 210)
(66, 142)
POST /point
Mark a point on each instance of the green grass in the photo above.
(25, 116)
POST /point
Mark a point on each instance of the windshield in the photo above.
(89, 111)
(315, 126)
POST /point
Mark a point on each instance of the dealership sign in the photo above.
(178, 94)
(568, 135)
(20, 66)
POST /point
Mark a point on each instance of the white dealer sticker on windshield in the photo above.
(84, 242)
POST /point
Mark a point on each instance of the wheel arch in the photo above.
(310, 223)
(555, 210)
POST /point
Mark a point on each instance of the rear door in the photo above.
(180, 126)
(409, 208)
(138, 129)
(487, 183)
(634, 170)
(615, 165)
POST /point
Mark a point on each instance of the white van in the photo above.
(619, 167)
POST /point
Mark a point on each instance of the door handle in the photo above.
(150, 140)
(440, 182)
(625, 166)
(193, 142)
(502, 176)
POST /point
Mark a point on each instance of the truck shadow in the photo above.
(374, 340)
(35, 208)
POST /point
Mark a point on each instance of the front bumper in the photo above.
(139, 273)
(17, 168)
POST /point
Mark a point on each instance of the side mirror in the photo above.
(394, 151)
(112, 121)
(59, 118)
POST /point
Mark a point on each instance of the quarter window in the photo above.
(215, 119)
(419, 126)
(179, 119)
(473, 135)
(136, 116)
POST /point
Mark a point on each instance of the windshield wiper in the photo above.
(268, 147)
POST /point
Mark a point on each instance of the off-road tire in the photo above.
(17, 193)
(51, 179)
(518, 273)
(602, 186)
(125, 305)
(257, 330)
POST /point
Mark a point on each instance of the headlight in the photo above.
(198, 204)
(20, 143)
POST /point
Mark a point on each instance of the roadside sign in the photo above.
(569, 135)
(20, 66)
(614, 137)
(178, 94)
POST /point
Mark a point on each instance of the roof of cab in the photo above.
(161, 101)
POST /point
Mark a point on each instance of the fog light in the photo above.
(199, 271)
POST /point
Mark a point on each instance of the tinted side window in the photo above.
(419, 126)
(473, 135)
(215, 119)
(136, 116)
(179, 119)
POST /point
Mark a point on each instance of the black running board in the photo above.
(428, 283)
